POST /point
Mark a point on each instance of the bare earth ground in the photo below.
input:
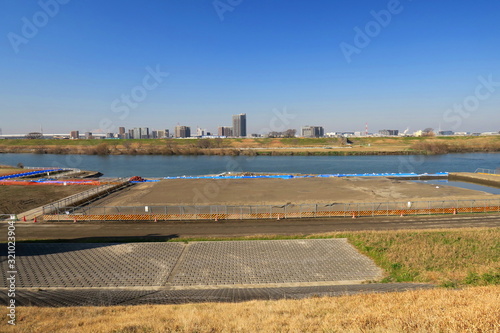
(282, 191)
(8, 171)
(17, 199)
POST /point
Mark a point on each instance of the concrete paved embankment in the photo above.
(163, 273)
(478, 178)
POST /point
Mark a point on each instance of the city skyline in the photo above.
(393, 64)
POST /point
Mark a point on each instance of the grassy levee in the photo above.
(465, 258)
(258, 146)
(450, 258)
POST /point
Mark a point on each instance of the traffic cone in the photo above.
(278, 217)
(74, 219)
(24, 218)
(454, 211)
(156, 219)
(353, 215)
(216, 219)
(34, 220)
(401, 214)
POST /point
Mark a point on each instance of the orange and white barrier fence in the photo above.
(270, 215)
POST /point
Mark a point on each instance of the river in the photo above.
(162, 166)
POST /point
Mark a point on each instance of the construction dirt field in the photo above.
(15, 199)
(283, 191)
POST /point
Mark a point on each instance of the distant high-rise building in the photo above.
(74, 134)
(387, 132)
(121, 132)
(240, 125)
(162, 134)
(144, 133)
(137, 133)
(312, 131)
(225, 131)
(201, 132)
(131, 134)
(140, 133)
(88, 135)
(182, 131)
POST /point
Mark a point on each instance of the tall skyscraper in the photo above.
(225, 131)
(312, 131)
(121, 132)
(145, 133)
(182, 131)
(240, 125)
(74, 134)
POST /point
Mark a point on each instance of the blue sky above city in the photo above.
(70, 65)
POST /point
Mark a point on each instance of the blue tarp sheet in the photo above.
(28, 173)
(316, 176)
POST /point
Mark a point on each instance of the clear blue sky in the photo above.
(262, 56)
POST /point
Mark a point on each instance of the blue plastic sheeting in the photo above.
(28, 173)
(316, 176)
(145, 181)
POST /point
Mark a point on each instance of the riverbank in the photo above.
(259, 146)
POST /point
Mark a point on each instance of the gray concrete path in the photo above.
(68, 274)
(104, 297)
(197, 264)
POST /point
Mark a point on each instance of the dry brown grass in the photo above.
(443, 146)
(472, 309)
(233, 146)
(9, 170)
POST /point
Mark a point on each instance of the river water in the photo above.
(162, 166)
